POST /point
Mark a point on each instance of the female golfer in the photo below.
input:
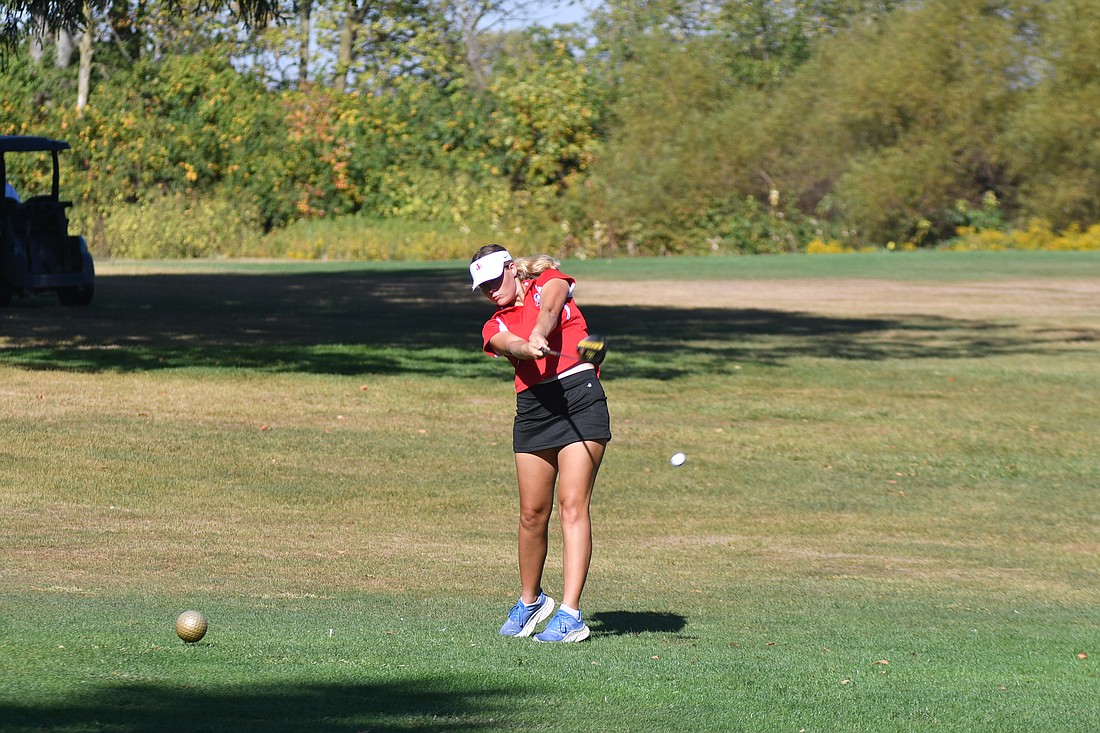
(560, 432)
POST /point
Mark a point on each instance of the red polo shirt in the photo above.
(520, 320)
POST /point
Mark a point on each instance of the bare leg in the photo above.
(578, 465)
(536, 473)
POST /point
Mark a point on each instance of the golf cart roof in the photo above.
(30, 144)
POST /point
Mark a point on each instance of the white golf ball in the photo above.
(677, 459)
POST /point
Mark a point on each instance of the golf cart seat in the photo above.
(49, 246)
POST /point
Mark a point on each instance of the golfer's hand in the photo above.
(528, 350)
(517, 348)
(539, 343)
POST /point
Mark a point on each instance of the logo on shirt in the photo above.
(538, 296)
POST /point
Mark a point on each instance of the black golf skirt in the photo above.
(564, 411)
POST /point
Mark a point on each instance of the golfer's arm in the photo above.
(553, 298)
(509, 344)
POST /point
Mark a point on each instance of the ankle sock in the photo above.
(575, 613)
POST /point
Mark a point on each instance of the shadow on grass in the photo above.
(427, 321)
(627, 623)
(414, 705)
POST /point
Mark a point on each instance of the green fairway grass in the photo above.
(885, 522)
(898, 265)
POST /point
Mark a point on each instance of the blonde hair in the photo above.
(530, 267)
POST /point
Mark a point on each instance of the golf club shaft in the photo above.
(579, 357)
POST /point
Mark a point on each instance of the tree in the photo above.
(20, 18)
(1053, 139)
(546, 113)
(688, 142)
(763, 40)
(371, 40)
(770, 38)
(652, 180)
(889, 130)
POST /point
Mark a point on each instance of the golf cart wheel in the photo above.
(76, 295)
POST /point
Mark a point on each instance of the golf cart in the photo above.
(37, 253)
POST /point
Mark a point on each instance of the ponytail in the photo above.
(532, 266)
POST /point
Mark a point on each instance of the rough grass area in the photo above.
(887, 519)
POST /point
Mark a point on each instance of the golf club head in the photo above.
(592, 349)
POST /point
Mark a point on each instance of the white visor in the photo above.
(488, 268)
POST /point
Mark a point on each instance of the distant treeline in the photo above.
(413, 128)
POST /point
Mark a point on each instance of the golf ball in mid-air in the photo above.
(191, 626)
(677, 459)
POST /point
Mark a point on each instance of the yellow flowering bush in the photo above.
(1038, 235)
(818, 246)
(831, 247)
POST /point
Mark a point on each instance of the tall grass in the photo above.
(358, 238)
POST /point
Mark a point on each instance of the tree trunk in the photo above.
(84, 78)
(469, 17)
(303, 49)
(36, 46)
(343, 53)
(65, 48)
(349, 36)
